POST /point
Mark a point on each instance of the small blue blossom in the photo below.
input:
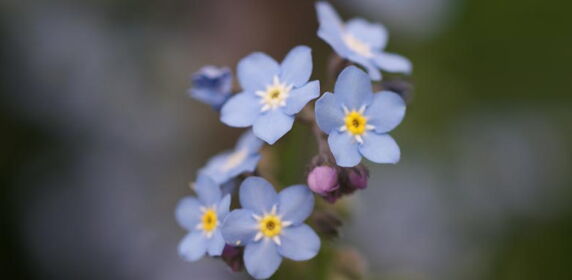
(212, 85)
(227, 165)
(272, 93)
(202, 217)
(358, 121)
(271, 226)
(359, 41)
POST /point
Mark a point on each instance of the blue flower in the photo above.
(359, 41)
(273, 93)
(212, 86)
(227, 165)
(358, 121)
(202, 217)
(271, 226)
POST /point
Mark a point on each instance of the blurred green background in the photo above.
(99, 141)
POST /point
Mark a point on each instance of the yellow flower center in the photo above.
(209, 220)
(270, 225)
(274, 95)
(357, 46)
(355, 122)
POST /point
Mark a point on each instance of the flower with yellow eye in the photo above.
(272, 93)
(270, 226)
(359, 41)
(202, 217)
(358, 121)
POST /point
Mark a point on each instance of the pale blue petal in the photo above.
(249, 165)
(188, 213)
(380, 148)
(241, 110)
(249, 141)
(228, 187)
(207, 190)
(328, 17)
(297, 66)
(329, 113)
(344, 148)
(373, 34)
(215, 244)
(393, 63)
(223, 207)
(261, 259)
(272, 125)
(295, 203)
(335, 40)
(301, 96)
(212, 168)
(386, 111)
(368, 64)
(239, 227)
(256, 71)
(299, 243)
(193, 246)
(353, 88)
(258, 195)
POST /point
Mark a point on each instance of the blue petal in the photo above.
(353, 88)
(335, 40)
(249, 141)
(256, 71)
(299, 243)
(328, 18)
(344, 148)
(223, 207)
(193, 246)
(272, 125)
(213, 168)
(188, 213)
(373, 34)
(215, 244)
(207, 190)
(297, 66)
(261, 259)
(386, 111)
(228, 187)
(301, 96)
(239, 227)
(329, 113)
(258, 195)
(295, 203)
(393, 63)
(241, 110)
(380, 148)
(368, 64)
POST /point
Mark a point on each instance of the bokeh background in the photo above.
(98, 140)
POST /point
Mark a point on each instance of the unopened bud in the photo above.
(358, 177)
(323, 180)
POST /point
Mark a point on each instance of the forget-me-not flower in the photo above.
(271, 226)
(272, 93)
(359, 41)
(212, 85)
(202, 217)
(358, 121)
(227, 165)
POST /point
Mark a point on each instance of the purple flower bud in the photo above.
(323, 180)
(212, 86)
(358, 177)
(232, 256)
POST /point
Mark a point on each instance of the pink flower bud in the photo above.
(323, 180)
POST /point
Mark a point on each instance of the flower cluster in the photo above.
(348, 124)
